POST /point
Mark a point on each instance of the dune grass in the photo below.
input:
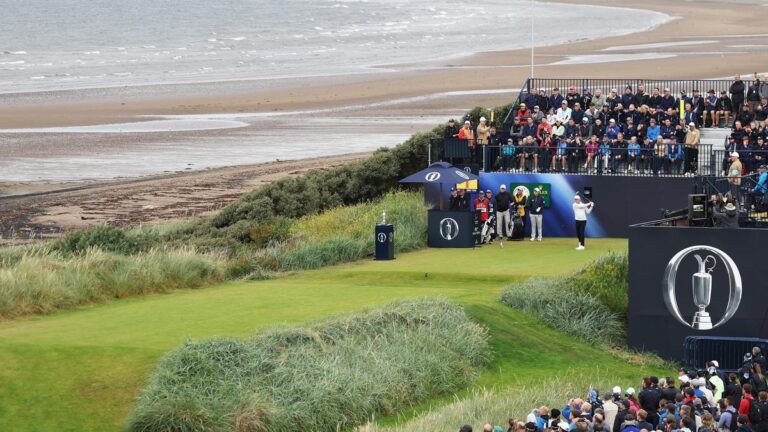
(329, 375)
(83, 369)
(103, 263)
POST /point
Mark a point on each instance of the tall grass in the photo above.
(325, 377)
(587, 304)
(44, 281)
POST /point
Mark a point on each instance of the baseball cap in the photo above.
(564, 425)
(503, 187)
(697, 402)
(585, 120)
(617, 389)
(487, 191)
(715, 363)
(531, 426)
(630, 391)
(539, 190)
(691, 124)
(481, 192)
(736, 154)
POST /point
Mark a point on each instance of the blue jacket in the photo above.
(633, 149)
(668, 131)
(605, 149)
(555, 101)
(612, 132)
(529, 130)
(653, 132)
(760, 186)
(674, 151)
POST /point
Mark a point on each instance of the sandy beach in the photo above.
(348, 114)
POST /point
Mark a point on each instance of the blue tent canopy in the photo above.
(440, 172)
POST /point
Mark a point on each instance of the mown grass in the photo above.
(83, 369)
(107, 263)
(330, 375)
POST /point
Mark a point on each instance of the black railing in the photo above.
(750, 200)
(576, 159)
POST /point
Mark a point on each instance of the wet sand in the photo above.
(339, 115)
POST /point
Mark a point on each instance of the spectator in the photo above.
(612, 131)
(572, 97)
(654, 131)
(633, 155)
(674, 157)
(586, 98)
(668, 101)
(690, 115)
(537, 114)
(742, 423)
(524, 152)
(723, 107)
(563, 113)
(710, 109)
(505, 161)
(523, 113)
(536, 208)
(764, 87)
(533, 98)
(598, 99)
(453, 201)
(462, 201)
(619, 153)
(556, 99)
(729, 218)
(466, 428)
(753, 94)
(451, 131)
(727, 415)
(641, 97)
(609, 408)
(529, 128)
(692, 140)
(482, 131)
(613, 99)
(558, 130)
(757, 357)
(577, 114)
(592, 149)
(734, 176)
(645, 162)
(544, 128)
(737, 94)
(468, 135)
(628, 98)
(655, 100)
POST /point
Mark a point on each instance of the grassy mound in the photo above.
(92, 266)
(328, 376)
(588, 304)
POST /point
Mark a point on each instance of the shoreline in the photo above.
(409, 99)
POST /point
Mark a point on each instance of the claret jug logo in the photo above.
(449, 228)
(709, 260)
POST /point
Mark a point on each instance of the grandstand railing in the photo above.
(753, 210)
(570, 160)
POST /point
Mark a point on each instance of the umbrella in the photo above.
(440, 173)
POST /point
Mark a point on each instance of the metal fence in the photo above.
(642, 161)
(619, 84)
(752, 203)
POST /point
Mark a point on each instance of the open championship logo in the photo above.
(702, 286)
(382, 237)
(462, 174)
(432, 176)
(449, 229)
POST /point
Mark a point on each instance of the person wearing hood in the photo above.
(753, 95)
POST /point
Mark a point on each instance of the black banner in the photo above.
(667, 280)
(450, 229)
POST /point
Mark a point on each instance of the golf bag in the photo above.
(518, 231)
(489, 228)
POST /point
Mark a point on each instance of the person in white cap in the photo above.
(692, 140)
(536, 205)
(580, 211)
(734, 176)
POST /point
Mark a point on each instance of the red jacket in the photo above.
(482, 207)
(744, 405)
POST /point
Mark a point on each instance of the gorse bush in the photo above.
(46, 282)
(587, 304)
(324, 377)
(108, 239)
(308, 194)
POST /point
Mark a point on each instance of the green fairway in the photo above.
(83, 369)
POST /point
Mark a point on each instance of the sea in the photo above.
(70, 44)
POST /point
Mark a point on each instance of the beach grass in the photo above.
(83, 369)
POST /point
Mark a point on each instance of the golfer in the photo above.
(580, 211)
(536, 205)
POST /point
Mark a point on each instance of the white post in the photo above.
(533, 17)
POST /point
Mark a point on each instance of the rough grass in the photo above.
(76, 270)
(50, 281)
(327, 376)
(587, 304)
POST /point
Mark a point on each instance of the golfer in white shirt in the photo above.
(580, 211)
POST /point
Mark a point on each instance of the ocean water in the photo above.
(52, 45)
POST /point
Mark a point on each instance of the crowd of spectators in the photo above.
(706, 400)
(639, 130)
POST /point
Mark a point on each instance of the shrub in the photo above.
(590, 304)
(106, 238)
(324, 377)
